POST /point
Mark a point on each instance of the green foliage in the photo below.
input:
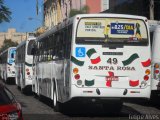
(8, 43)
(5, 13)
(74, 12)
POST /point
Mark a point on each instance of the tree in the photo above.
(74, 12)
(8, 43)
(5, 13)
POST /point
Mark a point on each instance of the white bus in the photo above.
(7, 65)
(155, 37)
(94, 57)
(23, 62)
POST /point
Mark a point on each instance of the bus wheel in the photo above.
(56, 104)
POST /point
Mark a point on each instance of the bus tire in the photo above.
(56, 104)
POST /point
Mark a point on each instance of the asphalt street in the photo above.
(35, 109)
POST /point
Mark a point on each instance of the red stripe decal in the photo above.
(111, 73)
(146, 63)
(95, 61)
(134, 83)
(109, 83)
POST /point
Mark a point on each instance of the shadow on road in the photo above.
(98, 111)
(154, 102)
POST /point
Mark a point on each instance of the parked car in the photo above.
(10, 109)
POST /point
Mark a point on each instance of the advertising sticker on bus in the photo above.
(109, 30)
(122, 28)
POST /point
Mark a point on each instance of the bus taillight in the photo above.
(147, 72)
(28, 73)
(75, 70)
(156, 71)
(146, 77)
(27, 70)
(77, 76)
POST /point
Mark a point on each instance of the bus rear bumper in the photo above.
(110, 92)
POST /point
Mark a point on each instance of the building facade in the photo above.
(55, 11)
(13, 35)
(136, 7)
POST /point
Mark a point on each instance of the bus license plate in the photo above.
(112, 78)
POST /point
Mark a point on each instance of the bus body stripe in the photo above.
(89, 82)
(130, 59)
(77, 62)
(95, 61)
(30, 65)
(134, 83)
(90, 52)
(146, 63)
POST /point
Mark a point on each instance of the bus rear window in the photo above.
(111, 31)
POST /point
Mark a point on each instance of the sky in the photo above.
(21, 11)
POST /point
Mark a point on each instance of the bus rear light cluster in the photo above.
(28, 72)
(156, 71)
(75, 71)
(77, 76)
(9, 69)
(147, 72)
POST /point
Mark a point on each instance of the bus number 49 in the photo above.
(112, 61)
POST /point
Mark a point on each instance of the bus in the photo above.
(7, 65)
(100, 58)
(23, 65)
(154, 37)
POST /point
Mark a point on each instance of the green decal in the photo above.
(30, 65)
(89, 82)
(77, 62)
(90, 52)
(130, 59)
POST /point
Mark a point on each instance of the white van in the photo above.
(155, 42)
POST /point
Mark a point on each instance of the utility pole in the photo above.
(151, 9)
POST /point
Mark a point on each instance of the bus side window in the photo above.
(68, 43)
(53, 47)
(60, 45)
(57, 48)
(65, 43)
